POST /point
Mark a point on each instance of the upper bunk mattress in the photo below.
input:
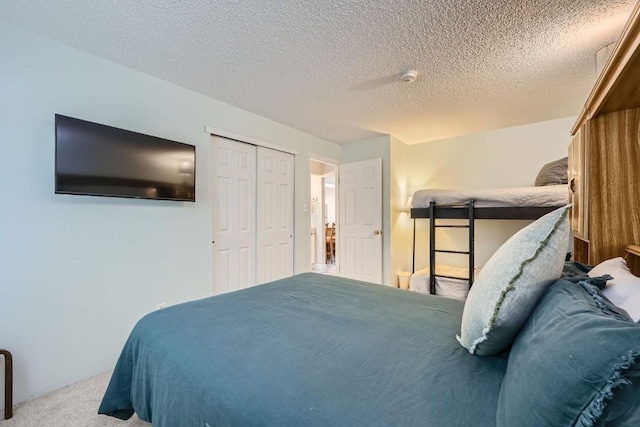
(544, 196)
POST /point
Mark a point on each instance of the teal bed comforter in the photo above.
(310, 350)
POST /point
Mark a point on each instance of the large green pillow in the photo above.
(509, 285)
(574, 363)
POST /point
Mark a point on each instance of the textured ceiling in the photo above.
(331, 68)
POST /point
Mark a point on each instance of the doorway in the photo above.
(323, 217)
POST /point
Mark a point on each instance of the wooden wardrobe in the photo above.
(604, 157)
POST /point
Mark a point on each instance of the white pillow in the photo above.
(623, 284)
(632, 306)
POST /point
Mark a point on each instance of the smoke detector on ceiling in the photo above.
(409, 76)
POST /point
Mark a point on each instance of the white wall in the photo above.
(401, 222)
(508, 157)
(504, 158)
(78, 272)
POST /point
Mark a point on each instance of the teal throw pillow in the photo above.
(624, 409)
(509, 285)
(574, 363)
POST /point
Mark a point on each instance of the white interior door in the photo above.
(360, 220)
(274, 256)
(233, 215)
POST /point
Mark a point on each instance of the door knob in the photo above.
(376, 232)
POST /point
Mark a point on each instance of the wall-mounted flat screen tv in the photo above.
(99, 160)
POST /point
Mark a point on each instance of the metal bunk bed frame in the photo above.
(470, 212)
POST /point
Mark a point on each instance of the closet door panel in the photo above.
(234, 211)
(274, 256)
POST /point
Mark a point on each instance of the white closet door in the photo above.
(274, 256)
(360, 248)
(233, 215)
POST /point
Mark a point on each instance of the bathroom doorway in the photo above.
(323, 217)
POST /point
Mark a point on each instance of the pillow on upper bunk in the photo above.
(554, 173)
(574, 363)
(511, 282)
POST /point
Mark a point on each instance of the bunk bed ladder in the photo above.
(433, 225)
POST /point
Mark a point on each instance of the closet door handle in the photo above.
(572, 185)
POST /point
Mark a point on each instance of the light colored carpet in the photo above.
(73, 406)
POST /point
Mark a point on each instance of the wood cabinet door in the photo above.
(614, 174)
(578, 183)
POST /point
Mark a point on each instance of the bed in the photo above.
(495, 203)
(317, 350)
(311, 350)
(500, 203)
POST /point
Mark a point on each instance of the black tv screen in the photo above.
(99, 160)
